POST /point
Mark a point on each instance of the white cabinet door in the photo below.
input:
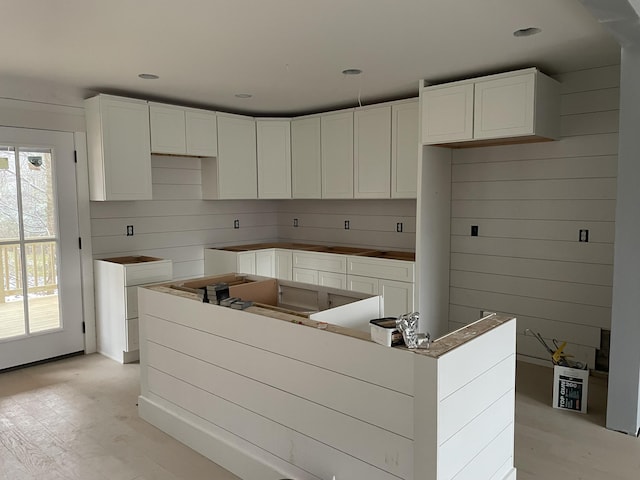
(331, 279)
(306, 162)
(305, 276)
(404, 150)
(274, 158)
(362, 284)
(167, 129)
(398, 297)
(202, 135)
(247, 263)
(504, 107)
(447, 114)
(265, 263)
(372, 153)
(283, 264)
(337, 155)
(119, 148)
(237, 174)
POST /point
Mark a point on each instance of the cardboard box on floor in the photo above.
(570, 388)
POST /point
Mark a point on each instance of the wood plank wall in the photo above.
(177, 224)
(372, 223)
(529, 202)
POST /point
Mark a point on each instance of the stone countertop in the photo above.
(438, 347)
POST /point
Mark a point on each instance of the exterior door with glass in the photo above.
(40, 279)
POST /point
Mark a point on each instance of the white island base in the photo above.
(272, 398)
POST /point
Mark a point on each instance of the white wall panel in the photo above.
(533, 307)
(177, 224)
(603, 166)
(565, 230)
(529, 203)
(372, 223)
(563, 331)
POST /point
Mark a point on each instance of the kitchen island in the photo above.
(275, 392)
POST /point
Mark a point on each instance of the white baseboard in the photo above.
(511, 475)
(227, 450)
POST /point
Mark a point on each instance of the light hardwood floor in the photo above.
(77, 419)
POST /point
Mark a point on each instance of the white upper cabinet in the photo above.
(274, 158)
(372, 152)
(447, 114)
(337, 155)
(234, 173)
(306, 162)
(118, 146)
(404, 149)
(168, 131)
(514, 106)
(182, 131)
(201, 133)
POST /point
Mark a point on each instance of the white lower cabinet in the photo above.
(246, 263)
(283, 264)
(393, 279)
(116, 282)
(305, 275)
(332, 279)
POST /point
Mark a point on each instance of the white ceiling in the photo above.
(288, 53)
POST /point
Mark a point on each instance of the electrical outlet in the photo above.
(236, 223)
(583, 235)
(474, 230)
(399, 227)
(346, 224)
(295, 222)
(129, 230)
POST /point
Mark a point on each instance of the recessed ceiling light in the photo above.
(352, 71)
(526, 32)
(148, 76)
(244, 95)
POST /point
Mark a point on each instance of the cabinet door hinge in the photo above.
(80, 243)
(83, 328)
(75, 156)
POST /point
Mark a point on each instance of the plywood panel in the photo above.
(600, 253)
(599, 166)
(532, 287)
(316, 421)
(572, 210)
(533, 307)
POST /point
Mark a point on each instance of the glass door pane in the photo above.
(28, 243)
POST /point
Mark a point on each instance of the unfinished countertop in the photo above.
(439, 347)
(337, 249)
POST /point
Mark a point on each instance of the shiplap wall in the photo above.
(177, 224)
(372, 223)
(529, 202)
